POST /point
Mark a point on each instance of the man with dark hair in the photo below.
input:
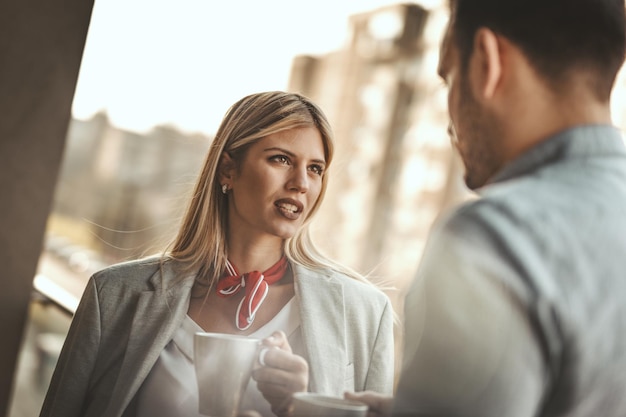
(518, 308)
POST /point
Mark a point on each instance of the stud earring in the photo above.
(224, 188)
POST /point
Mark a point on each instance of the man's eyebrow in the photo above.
(442, 66)
(444, 58)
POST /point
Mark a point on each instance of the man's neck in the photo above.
(548, 115)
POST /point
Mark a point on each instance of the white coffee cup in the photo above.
(223, 365)
(308, 404)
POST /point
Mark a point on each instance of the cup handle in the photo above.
(262, 354)
(260, 360)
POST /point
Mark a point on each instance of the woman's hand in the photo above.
(281, 373)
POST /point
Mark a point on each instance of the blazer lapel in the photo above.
(159, 313)
(323, 328)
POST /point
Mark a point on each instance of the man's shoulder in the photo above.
(512, 212)
(521, 201)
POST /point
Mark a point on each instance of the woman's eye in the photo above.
(280, 159)
(317, 169)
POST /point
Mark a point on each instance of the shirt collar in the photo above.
(578, 142)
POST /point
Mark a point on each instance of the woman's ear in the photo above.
(488, 62)
(226, 168)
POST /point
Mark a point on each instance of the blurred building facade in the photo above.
(125, 191)
(395, 170)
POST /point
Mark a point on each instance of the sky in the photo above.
(184, 62)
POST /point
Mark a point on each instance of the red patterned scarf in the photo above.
(256, 285)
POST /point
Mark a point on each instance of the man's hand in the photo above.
(379, 405)
(249, 413)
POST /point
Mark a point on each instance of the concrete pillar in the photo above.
(41, 45)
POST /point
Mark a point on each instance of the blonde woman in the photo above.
(128, 351)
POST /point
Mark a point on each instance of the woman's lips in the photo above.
(289, 208)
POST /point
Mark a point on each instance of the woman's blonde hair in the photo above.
(201, 244)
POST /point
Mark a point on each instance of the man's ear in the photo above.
(226, 168)
(488, 62)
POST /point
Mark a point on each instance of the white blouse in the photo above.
(171, 388)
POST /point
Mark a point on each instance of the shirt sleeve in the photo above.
(470, 347)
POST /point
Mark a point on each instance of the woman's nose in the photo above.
(299, 180)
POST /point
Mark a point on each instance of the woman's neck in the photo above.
(254, 255)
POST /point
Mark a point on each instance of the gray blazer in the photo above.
(129, 312)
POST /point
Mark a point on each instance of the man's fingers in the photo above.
(249, 413)
(379, 405)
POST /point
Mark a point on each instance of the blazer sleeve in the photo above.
(380, 374)
(70, 382)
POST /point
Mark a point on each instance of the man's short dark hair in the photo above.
(559, 37)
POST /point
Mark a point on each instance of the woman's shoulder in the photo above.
(150, 263)
(136, 272)
(357, 288)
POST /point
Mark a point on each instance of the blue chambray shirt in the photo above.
(519, 305)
